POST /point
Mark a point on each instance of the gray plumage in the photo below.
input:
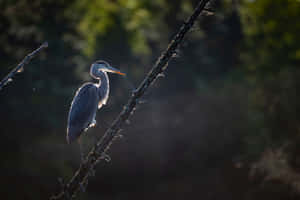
(87, 99)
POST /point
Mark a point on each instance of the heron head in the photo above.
(102, 66)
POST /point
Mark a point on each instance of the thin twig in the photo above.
(20, 66)
(98, 152)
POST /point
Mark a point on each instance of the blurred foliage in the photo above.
(49, 77)
(104, 18)
(271, 63)
(229, 99)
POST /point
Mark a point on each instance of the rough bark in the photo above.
(20, 67)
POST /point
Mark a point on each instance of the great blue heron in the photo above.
(88, 98)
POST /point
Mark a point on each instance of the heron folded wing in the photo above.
(83, 110)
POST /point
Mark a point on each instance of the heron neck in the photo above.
(103, 84)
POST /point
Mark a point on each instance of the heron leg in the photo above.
(105, 124)
(95, 139)
(81, 149)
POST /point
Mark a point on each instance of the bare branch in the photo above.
(98, 152)
(20, 66)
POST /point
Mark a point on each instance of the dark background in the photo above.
(222, 124)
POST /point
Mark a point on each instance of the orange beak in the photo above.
(120, 73)
(114, 70)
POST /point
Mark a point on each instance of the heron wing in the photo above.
(83, 110)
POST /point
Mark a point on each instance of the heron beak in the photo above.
(120, 73)
(114, 70)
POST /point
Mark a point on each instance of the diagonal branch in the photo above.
(20, 66)
(98, 152)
